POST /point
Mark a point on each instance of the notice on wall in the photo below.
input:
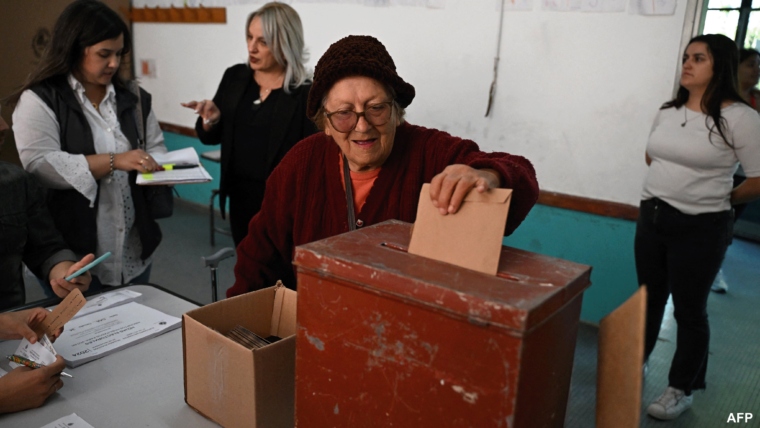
(605, 6)
(561, 5)
(652, 7)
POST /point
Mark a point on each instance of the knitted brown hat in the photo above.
(356, 56)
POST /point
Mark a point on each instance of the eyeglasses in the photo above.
(345, 121)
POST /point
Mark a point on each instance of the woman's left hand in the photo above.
(449, 188)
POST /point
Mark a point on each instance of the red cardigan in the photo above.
(305, 200)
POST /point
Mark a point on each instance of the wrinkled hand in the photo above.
(24, 388)
(61, 287)
(207, 110)
(449, 188)
(136, 160)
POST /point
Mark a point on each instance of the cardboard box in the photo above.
(232, 385)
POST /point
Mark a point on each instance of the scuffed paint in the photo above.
(336, 410)
(316, 342)
(470, 397)
(546, 284)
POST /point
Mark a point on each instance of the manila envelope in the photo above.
(471, 238)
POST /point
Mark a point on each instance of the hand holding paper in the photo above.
(21, 324)
(175, 174)
(449, 188)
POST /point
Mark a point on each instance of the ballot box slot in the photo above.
(405, 249)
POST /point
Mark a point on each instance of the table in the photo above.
(141, 386)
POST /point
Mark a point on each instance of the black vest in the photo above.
(71, 211)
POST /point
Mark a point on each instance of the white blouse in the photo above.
(37, 135)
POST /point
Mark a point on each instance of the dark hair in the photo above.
(83, 23)
(745, 53)
(722, 87)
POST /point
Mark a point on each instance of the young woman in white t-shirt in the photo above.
(686, 219)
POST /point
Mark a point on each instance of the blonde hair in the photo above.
(283, 33)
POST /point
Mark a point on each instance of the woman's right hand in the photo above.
(136, 160)
(207, 110)
(24, 388)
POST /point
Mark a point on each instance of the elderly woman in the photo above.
(358, 100)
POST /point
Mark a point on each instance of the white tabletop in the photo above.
(141, 386)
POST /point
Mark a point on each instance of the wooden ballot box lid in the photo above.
(528, 289)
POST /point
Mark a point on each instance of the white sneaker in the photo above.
(720, 285)
(670, 405)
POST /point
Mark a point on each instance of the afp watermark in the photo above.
(739, 418)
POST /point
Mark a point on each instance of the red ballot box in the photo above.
(386, 338)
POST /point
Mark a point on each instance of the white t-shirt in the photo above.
(689, 171)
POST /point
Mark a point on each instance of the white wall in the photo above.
(577, 92)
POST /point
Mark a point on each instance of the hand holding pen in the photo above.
(24, 388)
(18, 359)
(59, 273)
(207, 110)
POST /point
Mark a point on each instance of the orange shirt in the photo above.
(361, 183)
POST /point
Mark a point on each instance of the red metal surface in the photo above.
(386, 338)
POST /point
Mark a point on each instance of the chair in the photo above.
(212, 262)
(214, 156)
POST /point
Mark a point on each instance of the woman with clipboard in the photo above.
(76, 131)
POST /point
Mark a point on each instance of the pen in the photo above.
(88, 267)
(172, 166)
(31, 364)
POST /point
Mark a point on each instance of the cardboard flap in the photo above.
(284, 311)
(471, 238)
(621, 356)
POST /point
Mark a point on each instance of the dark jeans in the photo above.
(680, 254)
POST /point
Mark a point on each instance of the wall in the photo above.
(23, 25)
(576, 92)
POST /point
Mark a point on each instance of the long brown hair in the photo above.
(722, 87)
(83, 23)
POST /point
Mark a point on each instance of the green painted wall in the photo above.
(604, 243)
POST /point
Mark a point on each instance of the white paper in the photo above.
(3, 372)
(101, 333)
(106, 300)
(70, 421)
(513, 5)
(186, 155)
(176, 176)
(561, 5)
(41, 352)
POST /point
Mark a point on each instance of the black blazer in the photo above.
(289, 126)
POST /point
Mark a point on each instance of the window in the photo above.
(737, 19)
